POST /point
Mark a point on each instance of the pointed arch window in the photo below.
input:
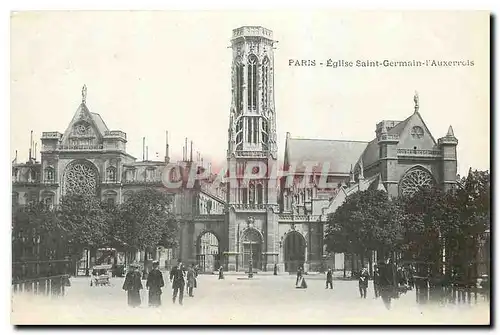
(265, 83)
(239, 87)
(252, 82)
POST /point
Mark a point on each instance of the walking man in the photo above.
(376, 281)
(221, 273)
(154, 284)
(177, 280)
(329, 278)
(363, 282)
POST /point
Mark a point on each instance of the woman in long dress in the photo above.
(133, 285)
(190, 281)
(300, 282)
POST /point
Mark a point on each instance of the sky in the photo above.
(148, 72)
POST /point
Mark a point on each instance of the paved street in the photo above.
(263, 300)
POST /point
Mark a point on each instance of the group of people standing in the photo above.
(180, 277)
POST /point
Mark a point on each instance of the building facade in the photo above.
(228, 220)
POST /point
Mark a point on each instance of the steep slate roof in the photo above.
(371, 154)
(99, 122)
(337, 153)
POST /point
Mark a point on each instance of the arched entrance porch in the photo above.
(252, 249)
(294, 251)
(208, 252)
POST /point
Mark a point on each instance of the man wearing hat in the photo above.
(133, 285)
(177, 280)
(154, 284)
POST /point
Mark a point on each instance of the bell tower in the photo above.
(252, 121)
(252, 151)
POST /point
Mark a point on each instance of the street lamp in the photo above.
(250, 262)
(250, 224)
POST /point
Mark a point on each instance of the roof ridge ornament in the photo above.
(415, 99)
(84, 93)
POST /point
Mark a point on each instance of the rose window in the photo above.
(414, 180)
(81, 178)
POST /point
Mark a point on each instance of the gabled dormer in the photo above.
(86, 129)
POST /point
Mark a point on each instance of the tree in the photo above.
(36, 236)
(83, 218)
(146, 220)
(366, 221)
(447, 225)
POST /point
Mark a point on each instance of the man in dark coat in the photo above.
(221, 273)
(387, 282)
(133, 285)
(154, 284)
(376, 281)
(196, 270)
(177, 280)
(329, 278)
(363, 282)
(275, 269)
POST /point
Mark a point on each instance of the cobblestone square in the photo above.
(237, 300)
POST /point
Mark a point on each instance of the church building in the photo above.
(272, 218)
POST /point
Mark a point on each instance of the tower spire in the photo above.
(415, 99)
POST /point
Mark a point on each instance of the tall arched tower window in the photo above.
(252, 83)
(239, 86)
(265, 84)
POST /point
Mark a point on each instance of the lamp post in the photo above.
(250, 262)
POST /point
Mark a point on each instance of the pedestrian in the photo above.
(329, 279)
(411, 276)
(376, 281)
(195, 269)
(221, 273)
(275, 269)
(191, 279)
(299, 275)
(363, 282)
(177, 280)
(133, 285)
(154, 284)
(387, 282)
(300, 282)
